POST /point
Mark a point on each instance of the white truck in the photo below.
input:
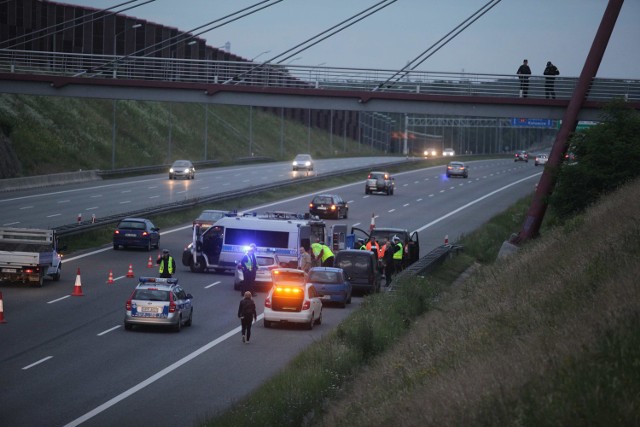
(27, 255)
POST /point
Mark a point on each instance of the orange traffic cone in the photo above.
(150, 262)
(110, 279)
(77, 289)
(373, 222)
(446, 239)
(130, 272)
(2, 310)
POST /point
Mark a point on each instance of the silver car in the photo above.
(541, 159)
(303, 162)
(158, 301)
(182, 169)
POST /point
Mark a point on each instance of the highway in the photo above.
(67, 360)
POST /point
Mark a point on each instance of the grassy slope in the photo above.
(52, 134)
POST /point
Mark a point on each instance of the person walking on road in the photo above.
(247, 315)
(550, 71)
(167, 264)
(524, 72)
(249, 266)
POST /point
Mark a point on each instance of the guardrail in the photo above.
(429, 262)
(243, 73)
(86, 225)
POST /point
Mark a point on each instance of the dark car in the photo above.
(329, 206)
(521, 156)
(207, 218)
(362, 269)
(182, 169)
(457, 169)
(136, 232)
(380, 182)
(332, 285)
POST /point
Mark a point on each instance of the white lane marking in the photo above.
(95, 196)
(418, 200)
(37, 363)
(442, 191)
(8, 224)
(152, 187)
(52, 215)
(108, 330)
(91, 208)
(125, 191)
(404, 185)
(356, 224)
(125, 202)
(431, 195)
(183, 191)
(59, 299)
(415, 182)
(391, 210)
(204, 188)
(405, 205)
(159, 375)
(26, 207)
(365, 196)
(63, 201)
(213, 284)
(350, 201)
(153, 197)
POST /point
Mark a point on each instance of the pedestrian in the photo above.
(322, 253)
(305, 260)
(360, 245)
(550, 71)
(249, 266)
(167, 264)
(372, 245)
(388, 262)
(524, 72)
(247, 314)
(398, 251)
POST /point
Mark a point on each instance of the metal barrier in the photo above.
(429, 262)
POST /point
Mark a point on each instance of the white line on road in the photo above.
(91, 208)
(108, 330)
(37, 363)
(125, 202)
(356, 224)
(391, 210)
(154, 197)
(26, 207)
(405, 205)
(59, 299)
(418, 200)
(51, 216)
(63, 201)
(213, 284)
(9, 224)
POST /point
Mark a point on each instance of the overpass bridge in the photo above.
(305, 87)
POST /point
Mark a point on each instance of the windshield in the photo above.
(324, 277)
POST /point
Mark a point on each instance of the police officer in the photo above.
(249, 266)
(397, 250)
(360, 245)
(322, 253)
(167, 264)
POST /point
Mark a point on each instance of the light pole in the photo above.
(294, 59)
(259, 55)
(115, 46)
(312, 70)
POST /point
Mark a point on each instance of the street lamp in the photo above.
(294, 59)
(258, 55)
(115, 47)
(317, 84)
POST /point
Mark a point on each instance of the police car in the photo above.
(158, 301)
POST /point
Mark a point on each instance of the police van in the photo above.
(221, 246)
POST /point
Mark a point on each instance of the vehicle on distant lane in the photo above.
(457, 169)
(136, 232)
(329, 206)
(182, 169)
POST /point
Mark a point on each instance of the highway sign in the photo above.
(531, 123)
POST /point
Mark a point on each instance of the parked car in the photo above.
(448, 152)
(541, 159)
(303, 162)
(457, 169)
(292, 300)
(182, 169)
(380, 182)
(362, 269)
(266, 264)
(332, 285)
(158, 301)
(136, 232)
(208, 217)
(521, 156)
(329, 206)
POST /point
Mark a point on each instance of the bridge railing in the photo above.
(244, 73)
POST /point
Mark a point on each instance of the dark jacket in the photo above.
(551, 70)
(247, 309)
(245, 264)
(523, 70)
(164, 264)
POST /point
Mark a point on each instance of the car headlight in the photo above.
(307, 163)
(186, 170)
(171, 170)
(295, 163)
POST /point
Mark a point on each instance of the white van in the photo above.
(222, 246)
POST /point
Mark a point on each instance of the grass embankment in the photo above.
(547, 336)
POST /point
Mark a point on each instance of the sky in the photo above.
(560, 31)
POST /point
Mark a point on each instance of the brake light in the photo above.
(144, 233)
(172, 304)
(116, 232)
(333, 207)
(267, 302)
(311, 205)
(128, 305)
(306, 305)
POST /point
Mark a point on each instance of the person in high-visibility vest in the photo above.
(398, 251)
(249, 266)
(360, 245)
(167, 264)
(322, 252)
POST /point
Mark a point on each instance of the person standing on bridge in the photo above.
(524, 72)
(551, 71)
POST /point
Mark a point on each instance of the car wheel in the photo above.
(366, 191)
(319, 319)
(178, 326)
(267, 323)
(56, 276)
(115, 246)
(128, 326)
(149, 246)
(170, 176)
(190, 319)
(349, 299)
(197, 267)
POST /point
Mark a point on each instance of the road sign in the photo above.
(531, 123)
(582, 124)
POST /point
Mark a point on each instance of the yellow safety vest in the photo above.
(398, 253)
(169, 264)
(326, 253)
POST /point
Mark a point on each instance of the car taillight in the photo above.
(172, 304)
(128, 305)
(144, 233)
(333, 207)
(116, 232)
(267, 302)
(306, 305)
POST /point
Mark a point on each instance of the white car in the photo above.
(541, 159)
(266, 263)
(303, 162)
(292, 300)
(448, 152)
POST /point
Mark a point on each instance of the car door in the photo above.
(316, 302)
(413, 247)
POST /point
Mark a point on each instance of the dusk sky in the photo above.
(560, 31)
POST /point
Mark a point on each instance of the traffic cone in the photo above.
(110, 279)
(446, 239)
(2, 310)
(150, 262)
(77, 289)
(130, 272)
(373, 222)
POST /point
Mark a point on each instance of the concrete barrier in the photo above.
(23, 183)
